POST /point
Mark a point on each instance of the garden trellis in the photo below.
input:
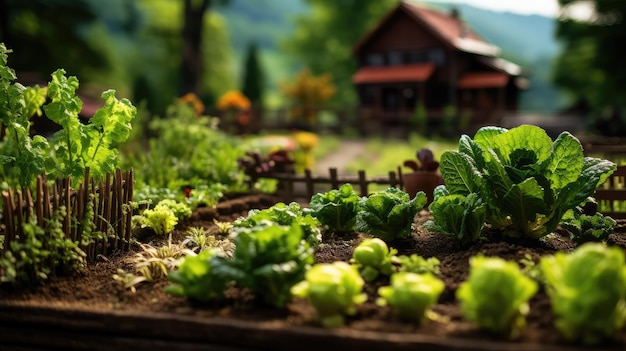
(110, 199)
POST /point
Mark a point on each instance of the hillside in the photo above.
(527, 40)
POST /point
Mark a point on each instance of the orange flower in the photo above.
(194, 101)
(233, 99)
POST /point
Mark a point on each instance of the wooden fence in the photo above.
(611, 196)
(110, 198)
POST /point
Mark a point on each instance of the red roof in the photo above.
(477, 80)
(450, 29)
(386, 74)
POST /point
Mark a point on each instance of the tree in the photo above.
(591, 65)
(253, 78)
(218, 63)
(323, 39)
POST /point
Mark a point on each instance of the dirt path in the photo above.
(347, 151)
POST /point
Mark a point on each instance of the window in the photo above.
(417, 57)
(375, 59)
(395, 58)
(437, 56)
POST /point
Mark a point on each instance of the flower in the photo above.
(195, 102)
(306, 140)
(233, 99)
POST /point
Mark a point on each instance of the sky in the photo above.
(548, 8)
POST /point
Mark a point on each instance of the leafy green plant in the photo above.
(198, 240)
(526, 180)
(223, 227)
(268, 260)
(373, 257)
(411, 294)
(587, 290)
(389, 214)
(164, 217)
(336, 209)
(286, 215)
(417, 264)
(460, 216)
(495, 295)
(154, 263)
(179, 209)
(196, 279)
(585, 228)
(334, 289)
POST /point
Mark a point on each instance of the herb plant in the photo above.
(336, 209)
(587, 290)
(495, 295)
(334, 289)
(411, 294)
(526, 180)
(389, 214)
(372, 257)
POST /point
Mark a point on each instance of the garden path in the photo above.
(348, 150)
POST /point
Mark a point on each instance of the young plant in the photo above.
(336, 209)
(223, 227)
(425, 161)
(587, 290)
(198, 240)
(417, 264)
(372, 257)
(495, 296)
(411, 295)
(526, 180)
(285, 215)
(585, 228)
(196, 278)
(155, 263)
(164, 217)
(334, 289)
(269, 260)
(389, 214)
(459, 216)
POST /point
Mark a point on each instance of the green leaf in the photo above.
(566, 161)
(460, 174)
(525, 137)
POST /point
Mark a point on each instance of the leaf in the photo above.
(459, 174)
(526, 137)
(566, 161)
(472, 149)
(524, 201)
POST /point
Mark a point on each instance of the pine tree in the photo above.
(253, 78)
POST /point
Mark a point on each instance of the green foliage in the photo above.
(180, 210)
(389, 214)
(587, 290)
(526, 180)
(285, 215)
(334, 289)
(198, 240)
(269, 260)
(495, 295)
(162, 219)
(336, 209)
(196, 279)
(411, 294)
(460, 216)
(417, 264)
(372, 257)
(253, 77)
(584, 228)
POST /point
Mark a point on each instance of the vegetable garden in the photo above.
(201, 250)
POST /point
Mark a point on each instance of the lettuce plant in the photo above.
(269, 260)
(373, 257)
(587, 290)
(417, 264)
(285, 215)
(334, 289)
(460, 216)
(585, 228)
(336, 209)
(411, 294)
(389, 214)
(526, 180)
(196, 279)
(163, 217)
(495, 295)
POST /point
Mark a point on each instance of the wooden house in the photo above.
(417, 54)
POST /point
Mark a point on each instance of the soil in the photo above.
(93, 289)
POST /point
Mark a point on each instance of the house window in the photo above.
(395, 58)
(369, 95)
(375, 59)
(417, 57)
(437, 56)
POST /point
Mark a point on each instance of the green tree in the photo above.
(253, 78)
(218, 63)
(324, 37)
(591, 65)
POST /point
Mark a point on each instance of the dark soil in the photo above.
(94, 289)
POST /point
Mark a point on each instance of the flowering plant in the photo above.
(233, 99)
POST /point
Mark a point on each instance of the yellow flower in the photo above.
(306, 140)
(194, 101)
(233, 99)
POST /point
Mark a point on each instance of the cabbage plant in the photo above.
(587, 290)
(336, 209)
(411, 294)
(373, 257)
(526, 180)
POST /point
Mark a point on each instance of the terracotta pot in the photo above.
(425, 181)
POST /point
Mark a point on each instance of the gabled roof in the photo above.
(449, 29)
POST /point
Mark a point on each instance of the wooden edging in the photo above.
(41, 327)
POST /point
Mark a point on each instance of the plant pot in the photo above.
(425, 181)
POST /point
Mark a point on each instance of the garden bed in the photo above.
(91, 311)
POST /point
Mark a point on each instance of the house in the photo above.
(417, 54)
